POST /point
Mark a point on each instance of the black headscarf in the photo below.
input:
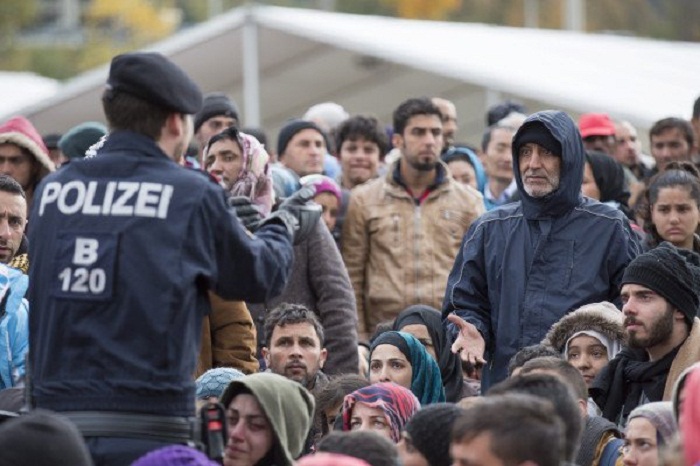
(609, 176)
(449, 363)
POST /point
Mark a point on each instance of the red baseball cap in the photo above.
(596, 124)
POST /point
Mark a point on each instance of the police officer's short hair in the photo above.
(10, 185)
(128, 112)
(285, 314)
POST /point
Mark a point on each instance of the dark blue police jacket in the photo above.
(124, 248)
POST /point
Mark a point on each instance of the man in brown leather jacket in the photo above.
(402, 231)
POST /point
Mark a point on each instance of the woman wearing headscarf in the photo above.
(240, 164)
(400, 358)
(589, 337)
(319, 279)
(269, 417)
(384, 408)
(425, 324)
(650, 428)
(604, 180)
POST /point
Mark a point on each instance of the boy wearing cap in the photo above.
(660, 296)
(126, 247)
(524, 265)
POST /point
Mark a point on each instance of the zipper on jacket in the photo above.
(395, 219)
(416, 251)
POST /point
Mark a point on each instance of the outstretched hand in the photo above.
(469, 343)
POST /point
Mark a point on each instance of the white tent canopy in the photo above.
(19, 89)
(369, 64)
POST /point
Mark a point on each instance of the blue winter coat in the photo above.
(14, 326)
(125, 248)
(523, 266)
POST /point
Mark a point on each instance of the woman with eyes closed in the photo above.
(673, 207)
(383, 408)
(400, 358)
(268, 417)
(425, 323)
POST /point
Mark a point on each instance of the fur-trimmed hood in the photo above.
(19, 131)
(602, 317)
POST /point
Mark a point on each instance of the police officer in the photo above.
(125, 247)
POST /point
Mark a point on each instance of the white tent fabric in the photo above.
(19, 89)
(369, 64)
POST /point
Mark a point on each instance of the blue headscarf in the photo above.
(426, 381)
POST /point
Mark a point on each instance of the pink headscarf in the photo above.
(254, 180)
(690, 424)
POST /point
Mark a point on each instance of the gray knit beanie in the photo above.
(660, 414)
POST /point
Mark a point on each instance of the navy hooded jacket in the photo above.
(125, 247)
(525, 265)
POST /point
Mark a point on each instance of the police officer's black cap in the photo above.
(154, 78)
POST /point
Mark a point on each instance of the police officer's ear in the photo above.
(177, 126)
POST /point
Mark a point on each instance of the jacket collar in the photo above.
(132, 143)
(394, 178)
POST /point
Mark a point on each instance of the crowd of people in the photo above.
(174, 291)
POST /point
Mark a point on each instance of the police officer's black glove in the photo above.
(248, 213)
(297, 213)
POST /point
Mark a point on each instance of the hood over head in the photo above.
(568, 194)
(603, 318)
(288, 406)
(20, 132)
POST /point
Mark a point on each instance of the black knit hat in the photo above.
(293, 127)
(42, 438)
(215, 104)
(430, 430)
(672, 273)
(537, 133)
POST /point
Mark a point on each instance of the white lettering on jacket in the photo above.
(114, 198)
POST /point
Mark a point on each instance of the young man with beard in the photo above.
(295, 345)
(402, 231)
(660, 296)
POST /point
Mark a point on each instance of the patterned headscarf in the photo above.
(397, 402)
(254, 180)
(426, 381)
(449, 363)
